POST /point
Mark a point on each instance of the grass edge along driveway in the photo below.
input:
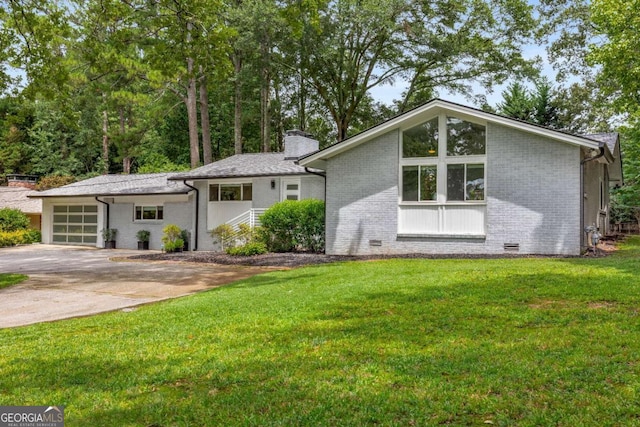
(395, 342)
(10, 279)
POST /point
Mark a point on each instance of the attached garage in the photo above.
(77, 214)
(75, 224)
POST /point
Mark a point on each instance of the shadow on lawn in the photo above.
(526, 347)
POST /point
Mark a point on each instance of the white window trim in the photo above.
(142, 206)
(441, 161)
(229, 183)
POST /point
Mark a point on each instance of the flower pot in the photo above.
(110, 244)
(143, 246)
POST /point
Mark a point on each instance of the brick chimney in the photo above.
(298, 143)
(24, 181)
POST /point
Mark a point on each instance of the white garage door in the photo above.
(75, 224)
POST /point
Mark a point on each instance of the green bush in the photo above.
(172, 239)
(19, 237)
(294, 225)
(248, 249)
(13, 220)
(229, 238)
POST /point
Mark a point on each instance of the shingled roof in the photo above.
(245, 165)
(118, 185)
(609, 138)
(16, 198)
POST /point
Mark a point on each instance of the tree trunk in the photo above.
(207, 156)
(192, 108)
(126, 160)
(265, 100)
(237, 113)
(105, 137)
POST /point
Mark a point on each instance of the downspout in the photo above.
(197, 222)
(107, 205)
(582, 225)
(324, 176)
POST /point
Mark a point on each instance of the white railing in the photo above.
(250, 217)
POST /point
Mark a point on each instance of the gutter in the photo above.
(197, 221)
(582, 163)
(324, 176)
(107, 205)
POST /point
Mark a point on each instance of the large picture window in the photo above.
(230, 192)
(443, 160)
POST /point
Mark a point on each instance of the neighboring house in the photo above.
(233, 190)
(14, 196)
(445, 179)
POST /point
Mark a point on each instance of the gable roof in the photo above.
(16, 198)
(611, 140)
(434, 106)
(245, 165)
(118, 185)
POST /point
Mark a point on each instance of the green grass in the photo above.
(7, 280)
(525, 342)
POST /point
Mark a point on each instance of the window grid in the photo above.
(449, 153)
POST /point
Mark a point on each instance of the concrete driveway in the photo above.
(69, 281)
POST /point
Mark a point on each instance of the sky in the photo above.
(387, 93)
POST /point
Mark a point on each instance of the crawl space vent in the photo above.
(512, 246)
(375, 242)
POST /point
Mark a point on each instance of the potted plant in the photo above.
(109, 237)
(171, 239)
(184, 235)
(143, 239)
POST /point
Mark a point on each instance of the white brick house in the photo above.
(446, 178)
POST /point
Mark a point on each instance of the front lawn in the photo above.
(7, 280)
(525, 342)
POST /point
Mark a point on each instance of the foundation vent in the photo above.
(375, 242)
(512, 247)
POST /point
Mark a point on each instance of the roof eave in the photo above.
(394, 123)
(155, 193)
(208, 177)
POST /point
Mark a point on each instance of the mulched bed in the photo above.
(301, 259)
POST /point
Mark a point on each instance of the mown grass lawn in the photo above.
(526, 342)
(7, 279)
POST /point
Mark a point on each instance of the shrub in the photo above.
(229, 238)
(19, 237)
(109, 234)
(54, 181)
(294, 225)
(13, 220)
(172, 238)
(248, 249)
(174, 245)
(143, 235)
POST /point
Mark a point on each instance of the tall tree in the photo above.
(445, 44)
(618, 24)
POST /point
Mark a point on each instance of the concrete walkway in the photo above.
(69, 281)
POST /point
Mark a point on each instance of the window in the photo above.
(421, 140)
(149, 213)
(230, 192)
(465, 182)
(419, 183)
(443, 160)
(465, 138)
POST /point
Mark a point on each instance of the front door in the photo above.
(290, 189)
